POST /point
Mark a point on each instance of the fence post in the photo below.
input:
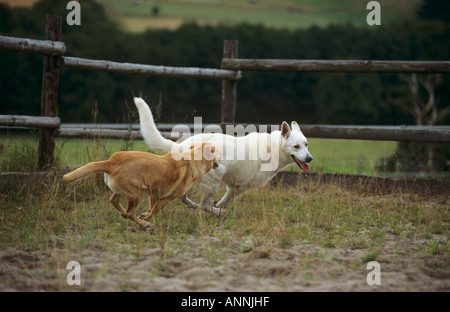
(230, 50)
(49, 95)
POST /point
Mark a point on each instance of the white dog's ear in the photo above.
(285, 130)
(295, 126)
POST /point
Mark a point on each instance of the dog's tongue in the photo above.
(301, 164)
(304, 166)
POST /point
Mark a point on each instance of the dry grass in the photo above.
(34, 214)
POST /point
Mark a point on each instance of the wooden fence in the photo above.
(54, 51)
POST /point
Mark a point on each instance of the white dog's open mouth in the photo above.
(302, 165)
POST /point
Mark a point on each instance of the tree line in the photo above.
(262, 97)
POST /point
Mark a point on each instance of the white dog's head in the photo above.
(296, 145)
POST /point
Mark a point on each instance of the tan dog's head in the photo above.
(207, 152)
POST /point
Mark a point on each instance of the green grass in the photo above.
(349, 156)
(289, 14)
(80, 151)
(330, 155)
(19, 152)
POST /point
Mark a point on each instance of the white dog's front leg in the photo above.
(205, 202)
(218, 212)
(189, 203)
(229, 196)
(205, 205)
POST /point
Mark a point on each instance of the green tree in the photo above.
(341, 97)
(435, 9)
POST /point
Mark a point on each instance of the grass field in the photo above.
(289, 14)
(330, 156)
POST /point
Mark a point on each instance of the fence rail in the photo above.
(42, 47)
(57, 48)
(151, 70)
(342, 66)
(379, 133)
(376, 133)
(125, 131)
(29, 121)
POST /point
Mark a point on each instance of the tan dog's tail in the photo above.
(82, 172)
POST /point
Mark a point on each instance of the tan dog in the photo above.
(131, 174)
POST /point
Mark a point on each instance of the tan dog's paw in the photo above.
(146, 216)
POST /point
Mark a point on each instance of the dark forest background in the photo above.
(262, 97)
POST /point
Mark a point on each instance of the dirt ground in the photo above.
(301, 267)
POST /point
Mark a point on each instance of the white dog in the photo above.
(248, 161)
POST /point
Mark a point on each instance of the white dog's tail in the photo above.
(151, 135)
